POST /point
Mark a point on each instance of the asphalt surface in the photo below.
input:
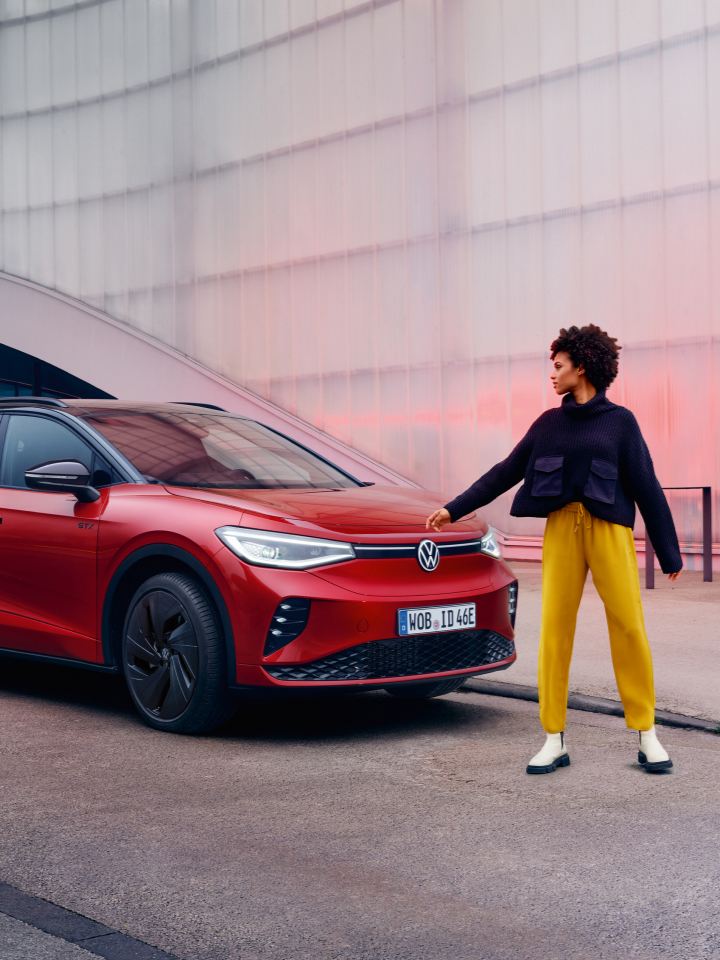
(363, 827)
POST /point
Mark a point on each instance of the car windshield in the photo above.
(213, 450)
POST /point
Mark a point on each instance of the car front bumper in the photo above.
(351, 635)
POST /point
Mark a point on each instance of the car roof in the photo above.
(82, 406)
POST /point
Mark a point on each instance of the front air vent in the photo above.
(288, 622)
(512, 601)
(405, 657)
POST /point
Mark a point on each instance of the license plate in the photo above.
(460, 616)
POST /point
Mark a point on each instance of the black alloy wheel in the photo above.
(425, 689)
(173, 656)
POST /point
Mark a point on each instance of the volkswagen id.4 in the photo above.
(201, 553)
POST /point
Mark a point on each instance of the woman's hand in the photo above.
(674, 576)
(437, 520)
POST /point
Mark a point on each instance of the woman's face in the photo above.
(565, 376)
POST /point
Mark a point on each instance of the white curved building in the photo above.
(375, 215)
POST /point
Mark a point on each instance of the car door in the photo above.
(48, 545)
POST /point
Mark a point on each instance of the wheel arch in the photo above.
(137, 567)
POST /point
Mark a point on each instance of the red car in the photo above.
(200, 553)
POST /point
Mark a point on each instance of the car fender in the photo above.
(210, 579)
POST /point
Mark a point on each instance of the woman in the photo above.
(585, 465)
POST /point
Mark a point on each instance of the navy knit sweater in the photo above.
(593, 452)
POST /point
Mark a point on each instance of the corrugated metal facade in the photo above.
(378, 214)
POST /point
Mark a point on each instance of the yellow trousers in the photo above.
(575, 541)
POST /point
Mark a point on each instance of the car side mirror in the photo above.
(63, 476)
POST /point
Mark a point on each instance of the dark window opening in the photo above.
(22, 375)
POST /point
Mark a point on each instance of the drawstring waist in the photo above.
(582, 516)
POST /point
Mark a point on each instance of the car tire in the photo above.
(174, 656)
(425, 690)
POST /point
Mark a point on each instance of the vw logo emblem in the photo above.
(428, 555)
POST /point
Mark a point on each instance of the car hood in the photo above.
(378, 509)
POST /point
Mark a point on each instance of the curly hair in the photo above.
(591, 348)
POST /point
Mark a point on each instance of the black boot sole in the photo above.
(658, 767)
(563, 761)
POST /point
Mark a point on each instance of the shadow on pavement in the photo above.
(58, 684)
(272, 716)
(329, 716)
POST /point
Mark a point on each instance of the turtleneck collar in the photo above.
(598, 404)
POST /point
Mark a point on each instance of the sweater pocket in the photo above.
(547, 477)
(601, 481)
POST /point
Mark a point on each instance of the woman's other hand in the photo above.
(674, 576)
(437, 520)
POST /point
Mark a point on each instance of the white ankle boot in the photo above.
(552, 755)
(651, 754)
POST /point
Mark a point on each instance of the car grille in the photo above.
(403, 657)
(402, 551)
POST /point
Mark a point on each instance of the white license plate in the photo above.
(460, 616)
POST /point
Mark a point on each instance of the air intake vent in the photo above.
(404, 657)
(288, 622)
(512, 601)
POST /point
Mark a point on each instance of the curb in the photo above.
(580, 701)
(75, 928)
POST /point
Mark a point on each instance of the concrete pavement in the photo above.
(683, 624)
(20, 941)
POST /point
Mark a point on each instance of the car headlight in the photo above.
(488, 545)
(266, 549)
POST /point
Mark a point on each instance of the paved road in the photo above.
(356, 828)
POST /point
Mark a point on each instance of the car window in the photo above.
(31, 440)
(208, 450)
